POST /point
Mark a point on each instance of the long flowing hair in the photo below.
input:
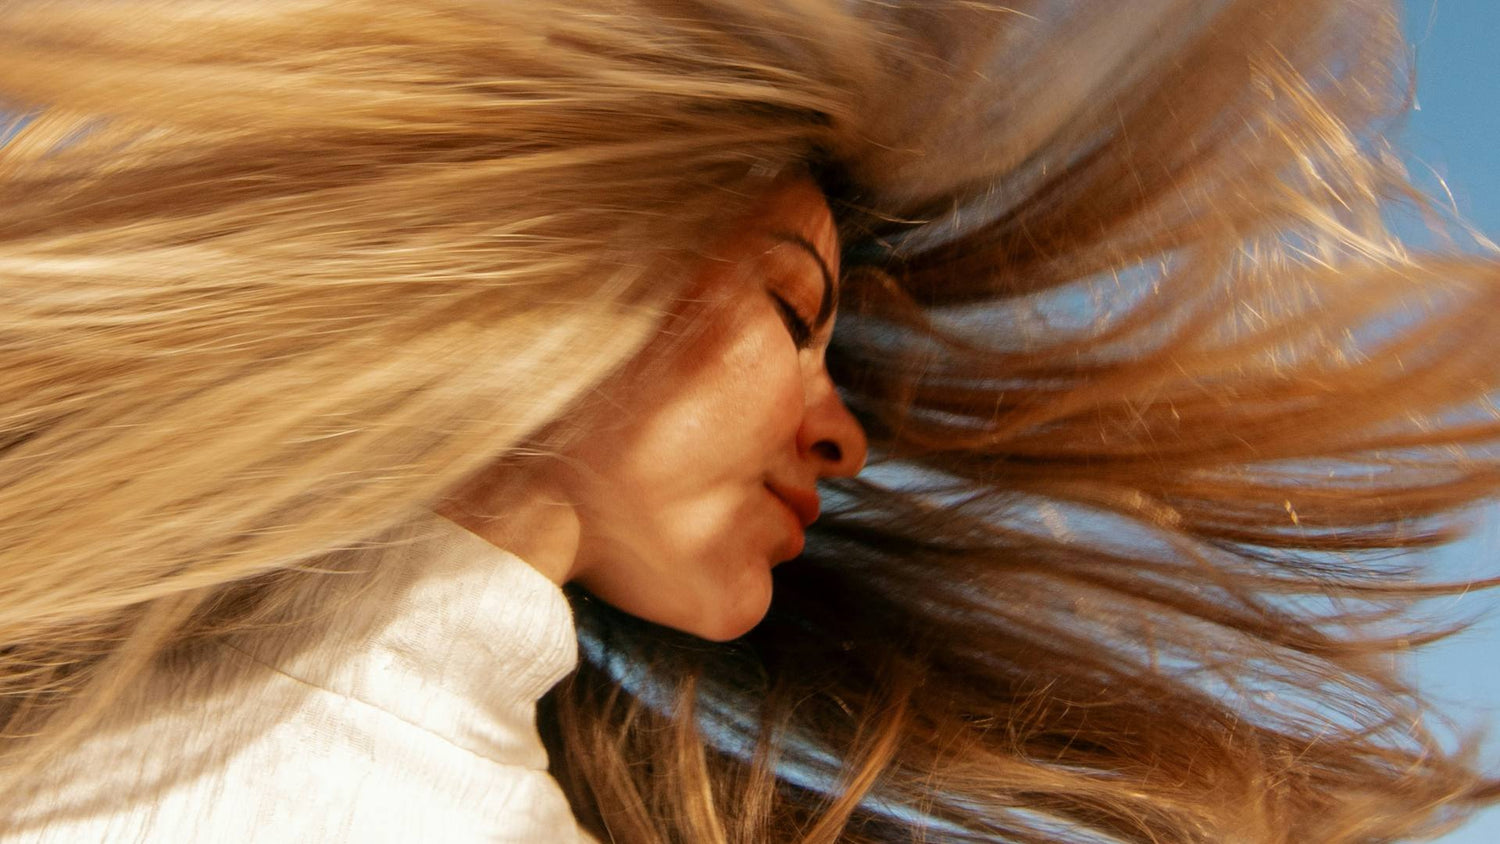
(1160, 408)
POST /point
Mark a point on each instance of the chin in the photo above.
(727, 629)
(710, 602)
(732, 609)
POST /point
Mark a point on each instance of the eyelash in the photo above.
(796, 324)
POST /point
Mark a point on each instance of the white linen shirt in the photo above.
(406, 712)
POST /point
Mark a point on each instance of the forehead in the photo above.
(796, 205)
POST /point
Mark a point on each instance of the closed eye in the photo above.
(830, 290)
(796, 324)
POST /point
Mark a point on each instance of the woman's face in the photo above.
(707, 476)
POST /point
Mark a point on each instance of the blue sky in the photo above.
(1454, 136)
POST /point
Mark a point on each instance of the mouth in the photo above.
(801, 507)
(803, 503)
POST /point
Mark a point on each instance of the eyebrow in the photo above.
(830, 290)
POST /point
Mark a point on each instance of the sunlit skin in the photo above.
(706, 479)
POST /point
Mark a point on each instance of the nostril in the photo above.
(828, 450)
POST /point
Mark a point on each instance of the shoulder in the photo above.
(412, 717)
(290, 764)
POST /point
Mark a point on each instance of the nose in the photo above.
(830, 436)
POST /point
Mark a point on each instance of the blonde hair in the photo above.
(277, 275)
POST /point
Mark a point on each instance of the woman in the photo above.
(340, 335)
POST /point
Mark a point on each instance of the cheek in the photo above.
(726, 401)
(755, 395)
(678, 527)
(707, 422)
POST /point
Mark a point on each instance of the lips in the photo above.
(803, 502)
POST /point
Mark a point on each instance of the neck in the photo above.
(535, 524)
